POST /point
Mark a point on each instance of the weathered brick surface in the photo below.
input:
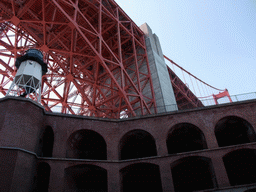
(22, 120)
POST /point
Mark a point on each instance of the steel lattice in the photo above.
(97, 61)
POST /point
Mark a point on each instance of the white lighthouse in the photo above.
(27, 82)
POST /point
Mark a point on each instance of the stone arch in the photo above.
(87, 178)
(185, 137)
(234, 130)
(193, 174)
(86, 144)
(241, 166)
(46, 142)
(42, 177)
(141, 177)
(137, 144)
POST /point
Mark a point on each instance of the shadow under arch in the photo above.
(185, 137)
(86, 144)
(137, 144)
(42, 177)
(141, 177)
(241, 166)
(232, 130)
(46, 142)
(192, 174)
(86, 178)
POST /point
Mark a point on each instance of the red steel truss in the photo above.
(96, 55)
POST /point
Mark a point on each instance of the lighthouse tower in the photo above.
(27, 81)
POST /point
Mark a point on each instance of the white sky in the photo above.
(213, 39)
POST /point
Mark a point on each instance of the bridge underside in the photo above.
(96, 55)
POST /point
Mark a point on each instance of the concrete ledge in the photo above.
(131, 118)
(179, 155)
(21, 99)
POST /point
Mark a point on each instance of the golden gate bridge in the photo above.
(97, 59)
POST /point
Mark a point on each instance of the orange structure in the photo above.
(96, 55)
(221, 95)
(100, 63)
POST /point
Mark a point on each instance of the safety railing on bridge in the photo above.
(164, 109)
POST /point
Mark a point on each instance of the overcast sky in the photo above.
(213, 39)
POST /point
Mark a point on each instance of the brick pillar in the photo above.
(161, 147)
(114, 179)
(211, 140)
(166, 177)
(57, 177)
(112, 149)
(220, 171)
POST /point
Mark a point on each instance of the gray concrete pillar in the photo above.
(164, 94)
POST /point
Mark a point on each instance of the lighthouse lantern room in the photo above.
(27, 81)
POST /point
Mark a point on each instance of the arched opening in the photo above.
(86, 144)
(46, 142)
(86, 178)
(241, 166)
(185, 137)
(42, 177)
(137, 144)
(192, 174)
(141, 177)
(233, 130)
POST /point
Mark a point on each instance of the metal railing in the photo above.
(234, 98)
(174, 107)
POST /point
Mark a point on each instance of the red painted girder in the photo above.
(225, 93)
(99, 56)
(114, 56)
